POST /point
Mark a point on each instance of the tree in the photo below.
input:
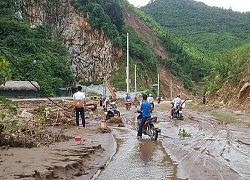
(7, 8)
(114, 11)
(5, 70)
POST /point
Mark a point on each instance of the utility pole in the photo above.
(135, 83)
(104, 88)
(127, 69)
(171, 88)
(158, 89)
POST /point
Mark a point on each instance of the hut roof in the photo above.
(20, 86)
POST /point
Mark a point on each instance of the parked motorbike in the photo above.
(150, 127)
(112, 111)
(177, 110)
(128, 104)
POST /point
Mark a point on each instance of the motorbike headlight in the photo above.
(105, 113)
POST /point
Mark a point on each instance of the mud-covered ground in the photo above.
(44, 147)
(215, 150)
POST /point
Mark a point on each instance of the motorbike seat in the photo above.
(154, 119)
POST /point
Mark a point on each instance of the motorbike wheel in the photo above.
(153, 132)
(177, 115)
(109, 115)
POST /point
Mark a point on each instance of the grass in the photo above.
(92, 93)
(183, 133)
(225, 118)
(221, 117)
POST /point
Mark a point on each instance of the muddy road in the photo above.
(215, 150)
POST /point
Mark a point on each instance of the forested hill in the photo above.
(210, 28)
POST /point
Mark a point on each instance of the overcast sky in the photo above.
(236, 5)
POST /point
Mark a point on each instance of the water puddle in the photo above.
(145, 159)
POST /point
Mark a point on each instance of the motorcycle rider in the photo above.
(107, 102)
(145, 109)
(128, 101)
(175, 101)
(159, 99)
(128, 97)
(150, 99)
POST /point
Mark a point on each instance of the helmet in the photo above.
(178, 95)
(150, 95)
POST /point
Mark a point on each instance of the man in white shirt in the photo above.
(150, 99)
(176, 100)
(79, 102)
(107, 102)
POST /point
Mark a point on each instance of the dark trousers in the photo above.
(81, 112)
(141, 126)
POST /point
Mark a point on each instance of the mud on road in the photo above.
(215, 150)
(46, 148)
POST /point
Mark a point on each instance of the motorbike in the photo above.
(177, 110)
(112, 111)
(150, 127)
(158, 100)
(128, 104)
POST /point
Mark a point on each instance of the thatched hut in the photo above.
(20, 89)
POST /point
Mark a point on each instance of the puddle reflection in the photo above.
(146, 150)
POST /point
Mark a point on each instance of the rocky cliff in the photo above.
(92, 55)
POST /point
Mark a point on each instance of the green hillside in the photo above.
(210, 28)
(38, 56)
(35, 55)
(32, 53)
(181, 55)
(230, 66)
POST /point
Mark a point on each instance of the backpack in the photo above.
(77, 103)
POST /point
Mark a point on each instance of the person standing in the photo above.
(101, 100)
(79, 103)
(145, 109)
(204, 99)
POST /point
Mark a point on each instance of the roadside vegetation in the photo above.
(228, 119)
(225, 118)
(209, 109)
(183, 133)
